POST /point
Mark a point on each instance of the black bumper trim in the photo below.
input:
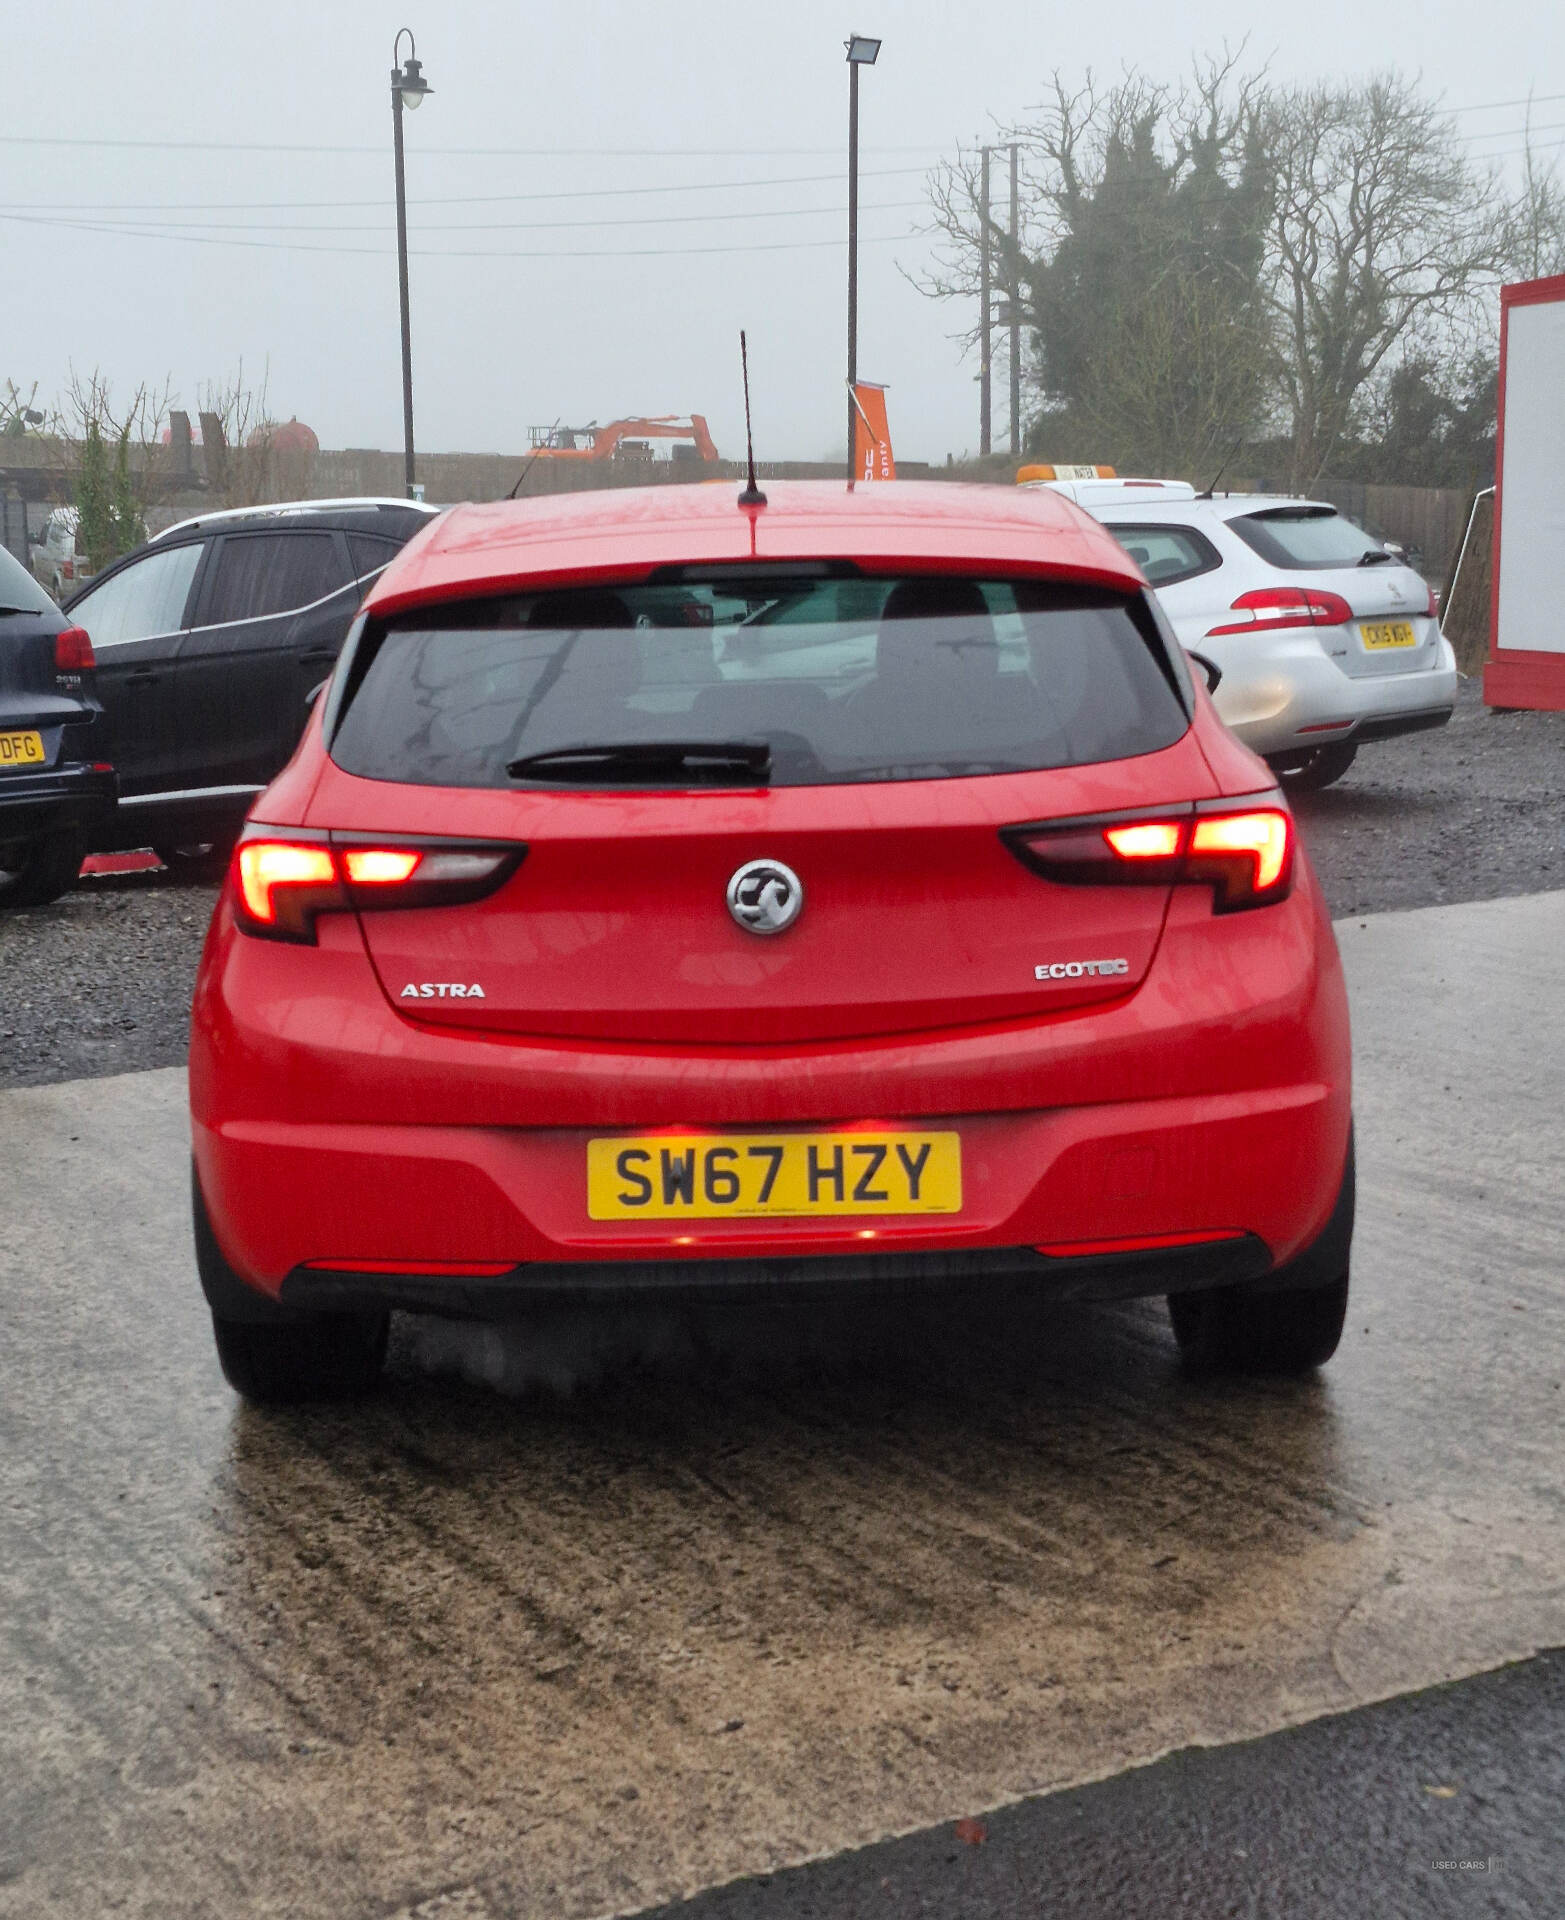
(68, 796)
(1120, 1276)
(1391, 724)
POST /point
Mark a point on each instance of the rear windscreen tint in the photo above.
(1302, 537)
(844, 679)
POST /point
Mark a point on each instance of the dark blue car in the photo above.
(56, 787)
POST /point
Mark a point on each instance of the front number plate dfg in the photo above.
(713, 1176)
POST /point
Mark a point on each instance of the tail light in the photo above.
(1269, 608)
(1242, 850)
(283, 881)
(67, 569)
(1433, 609)
(73, 651)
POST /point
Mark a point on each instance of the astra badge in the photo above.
(764, 896)
(440, 990)
(1078, 969)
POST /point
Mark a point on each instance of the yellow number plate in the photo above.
(1388, 633)
(713, 1176)
(20, 750)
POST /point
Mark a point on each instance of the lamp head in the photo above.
(408, 81)
(862, 51)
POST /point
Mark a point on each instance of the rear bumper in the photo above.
(54, 798)
(328, 1128)
(1275, 701)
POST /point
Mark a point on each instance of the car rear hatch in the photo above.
(1377, 607)
(872, 749)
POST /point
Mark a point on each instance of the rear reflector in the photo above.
(73, 651)
(1139, 1243)
(283, 882)
(1241, 849)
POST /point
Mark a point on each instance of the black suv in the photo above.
(210, 640)
(56, 788)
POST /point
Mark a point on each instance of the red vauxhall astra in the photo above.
(850, 890)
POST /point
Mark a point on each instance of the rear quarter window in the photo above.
(845, 680)
(1167, 555)
(1298, 538)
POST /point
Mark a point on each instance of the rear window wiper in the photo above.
(1375, 557)
(723, 763)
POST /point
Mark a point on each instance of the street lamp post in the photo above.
(862, 52)
(408, 87)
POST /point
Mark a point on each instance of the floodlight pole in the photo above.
(862, 52)
(405, 80)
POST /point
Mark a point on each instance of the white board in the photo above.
(1530, 616)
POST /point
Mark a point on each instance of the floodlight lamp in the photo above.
(862, 51)
(411, 83)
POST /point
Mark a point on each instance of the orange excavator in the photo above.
(629, 441)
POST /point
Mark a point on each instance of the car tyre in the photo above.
(1243, 1330)
(38, 871)
(1325, 765)
(327, 1356)
(275, 1357)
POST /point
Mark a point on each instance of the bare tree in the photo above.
(236, 431)
(1381, 227)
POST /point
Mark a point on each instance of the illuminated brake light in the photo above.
(269, 867)
(1244, 853)
(1248, 855)
(282, 885)
(379, 866)
(1271, 608)
(1145, 840)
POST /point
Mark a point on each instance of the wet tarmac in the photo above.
(579, 1622)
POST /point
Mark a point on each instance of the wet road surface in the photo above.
(755, 1589)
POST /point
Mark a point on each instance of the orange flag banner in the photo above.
(872, 458)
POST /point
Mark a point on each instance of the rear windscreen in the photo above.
(1303, 537)
(842, 679)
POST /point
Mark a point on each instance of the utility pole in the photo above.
(1016, 308)
(985, 302)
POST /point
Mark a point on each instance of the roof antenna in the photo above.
(1211, 486)
(752, 495)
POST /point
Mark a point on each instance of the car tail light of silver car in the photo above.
(1268, 608)
(1242, 850)
(284, 879)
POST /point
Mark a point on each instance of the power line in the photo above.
(97, 207)
(454, 253)
(526, 153)
(475, 226)
(1494, 106)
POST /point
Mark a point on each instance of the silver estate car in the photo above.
(1323, 638)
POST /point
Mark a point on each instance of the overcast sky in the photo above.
(596, 101)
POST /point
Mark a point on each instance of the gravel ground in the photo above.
(100, 982)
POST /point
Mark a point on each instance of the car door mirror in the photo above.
(1209, 667)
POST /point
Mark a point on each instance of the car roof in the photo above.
(344, 512)
(625, 533)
